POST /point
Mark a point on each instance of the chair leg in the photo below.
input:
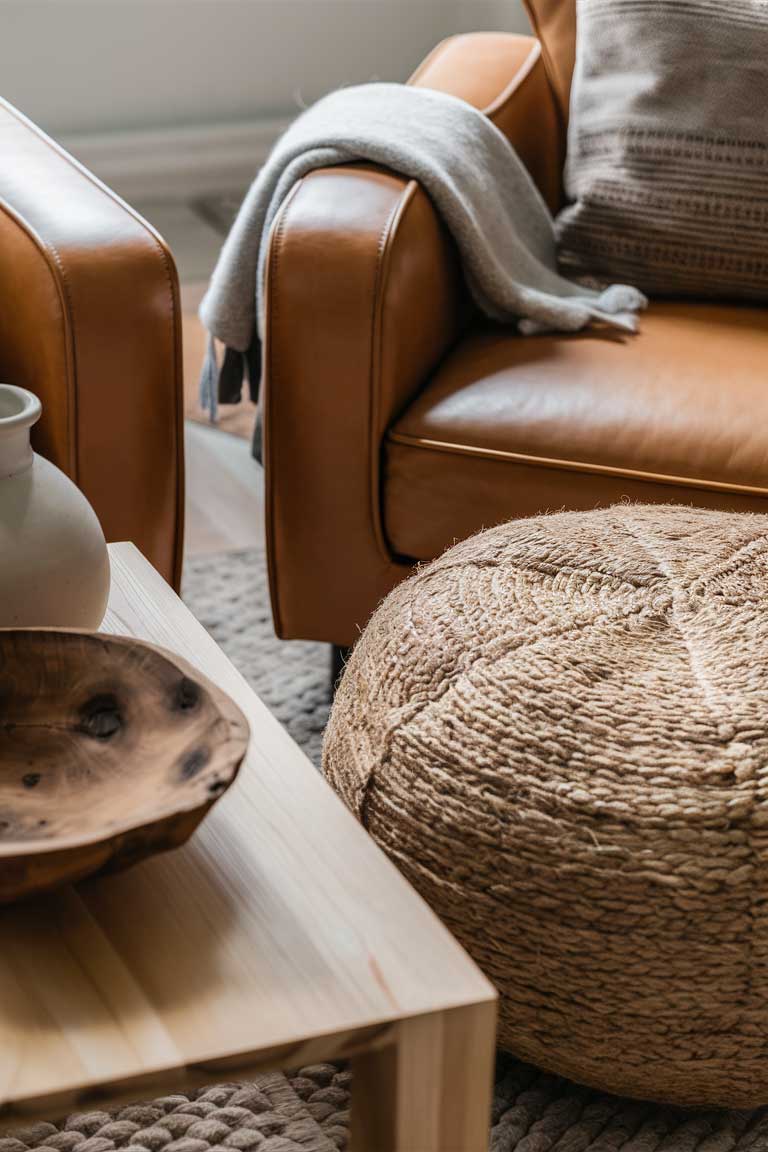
(339, 657)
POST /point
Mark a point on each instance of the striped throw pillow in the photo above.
(667, 169)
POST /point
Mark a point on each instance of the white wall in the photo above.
(169, 98)
(95, 66)
(485, 15)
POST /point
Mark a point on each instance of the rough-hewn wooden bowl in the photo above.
(110, 750)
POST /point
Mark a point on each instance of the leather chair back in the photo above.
(554, 22)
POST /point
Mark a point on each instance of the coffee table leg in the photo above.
(430, 1091)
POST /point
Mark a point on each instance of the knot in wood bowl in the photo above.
(110, 750)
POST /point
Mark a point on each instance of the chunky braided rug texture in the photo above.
(559, 732)
(229, 595)
(309, 1112)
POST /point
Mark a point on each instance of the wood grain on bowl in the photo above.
(110, 749)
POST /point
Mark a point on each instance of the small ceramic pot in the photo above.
(54, 565)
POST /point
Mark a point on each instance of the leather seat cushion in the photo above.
(514, 426)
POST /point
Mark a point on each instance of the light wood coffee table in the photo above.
(278, 936)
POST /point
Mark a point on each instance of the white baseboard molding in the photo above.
(178, 163)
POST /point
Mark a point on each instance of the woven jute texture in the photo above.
(559, 733)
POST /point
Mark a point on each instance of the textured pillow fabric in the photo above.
(668, 147)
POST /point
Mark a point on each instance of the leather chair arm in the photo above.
(90, 322)
(364, 297)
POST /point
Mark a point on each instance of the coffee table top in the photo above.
(279, 934)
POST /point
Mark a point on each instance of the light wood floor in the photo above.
(225, 492)
(225, 485)
(235, 418)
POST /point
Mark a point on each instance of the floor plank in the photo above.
(225, 492)
(238, 419)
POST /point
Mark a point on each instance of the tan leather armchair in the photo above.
(90, 321)
(396, 421)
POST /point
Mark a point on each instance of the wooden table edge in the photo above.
(347, 1044)
(425, 1047)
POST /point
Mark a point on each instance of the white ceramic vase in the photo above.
(54, 565)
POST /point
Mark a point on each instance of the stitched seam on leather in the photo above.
(383, 262)
(573, 465)
(275, 247)
(73, 432)
(523, 73)
(52, 257)
(178, 388)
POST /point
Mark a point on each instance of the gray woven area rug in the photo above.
(308, 1111)
(229, 595)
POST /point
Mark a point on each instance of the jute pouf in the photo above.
(559, 732)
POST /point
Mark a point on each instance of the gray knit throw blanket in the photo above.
(495, 213)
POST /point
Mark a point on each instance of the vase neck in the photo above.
(15, 452)
(19, 410)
